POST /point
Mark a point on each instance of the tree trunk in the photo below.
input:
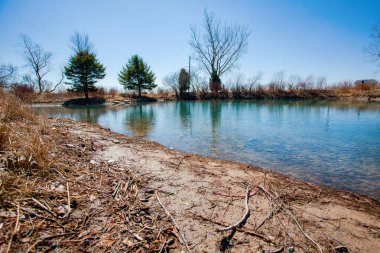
(86, 90)
(140, 92)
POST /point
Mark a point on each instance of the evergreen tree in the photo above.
(136, 75)
(183, 81)
(83, 70)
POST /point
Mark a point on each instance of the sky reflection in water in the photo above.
(334, 143)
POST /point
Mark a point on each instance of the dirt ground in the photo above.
(199, 197)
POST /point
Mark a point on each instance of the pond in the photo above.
(330, 143)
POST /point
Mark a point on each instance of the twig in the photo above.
(174, 222)
(15, 230)
(179, 164)
(243, 220)
(49, 237)
(272, 212)
(293, 218)
(68, 201)
(281, 249)
(242, 230)
(44, 207)
(116, 190)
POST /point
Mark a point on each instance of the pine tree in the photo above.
(183, 82)
(83, 70)
(136, 75)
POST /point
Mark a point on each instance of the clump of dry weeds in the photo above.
(52, 197)
(21, 140)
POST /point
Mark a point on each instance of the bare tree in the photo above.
(373, 49)
(39, 60)
(218, 47)
(7, 71)
(255, 80)
(321, 82)
(81, 43)
(171, 80)
(278, 81)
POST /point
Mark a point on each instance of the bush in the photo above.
(23, 91)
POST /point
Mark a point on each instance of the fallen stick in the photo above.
(270, 215)
(242, 230)
(116, 190)
(44, 207)
(174, 222)
(15, 230)
(243, 220)
(68, 201)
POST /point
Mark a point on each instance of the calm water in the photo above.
(333, 143)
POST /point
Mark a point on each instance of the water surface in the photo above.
(331, 143)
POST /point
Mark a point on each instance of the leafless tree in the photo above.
(171, 80)
(373, 49)
(310, 81)
(255, 80)
(219, 47)
(7, 71)
(39, 60)
(321, 82)
(81, 43)
(278, 81)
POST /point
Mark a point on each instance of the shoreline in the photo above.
(103, 191)
(371, 193)
(198, 183)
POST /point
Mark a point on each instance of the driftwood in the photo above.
(184, 243)
(243, 220)
(225, 242)
(242, 230)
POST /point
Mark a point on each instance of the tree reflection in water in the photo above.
(140, 119)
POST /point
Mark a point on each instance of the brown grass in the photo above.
(22, 146)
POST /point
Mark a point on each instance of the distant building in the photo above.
(366, 82)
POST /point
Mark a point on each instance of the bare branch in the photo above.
(6, 73)
(373, 49)
(37, 59)
(221, 46)
(57, 84)
(81, 43)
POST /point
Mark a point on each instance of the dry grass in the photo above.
(52, 198)
(22, 145)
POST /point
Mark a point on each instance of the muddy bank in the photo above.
(114, 180)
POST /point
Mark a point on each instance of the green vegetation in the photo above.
(136, 75)
(183, 82)
(83, 69)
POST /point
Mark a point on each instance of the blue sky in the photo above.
(318, 37)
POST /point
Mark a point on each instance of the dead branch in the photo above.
(175, 223)
(243, 220)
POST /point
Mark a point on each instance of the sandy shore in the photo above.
(93, 190)
(204, 195)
